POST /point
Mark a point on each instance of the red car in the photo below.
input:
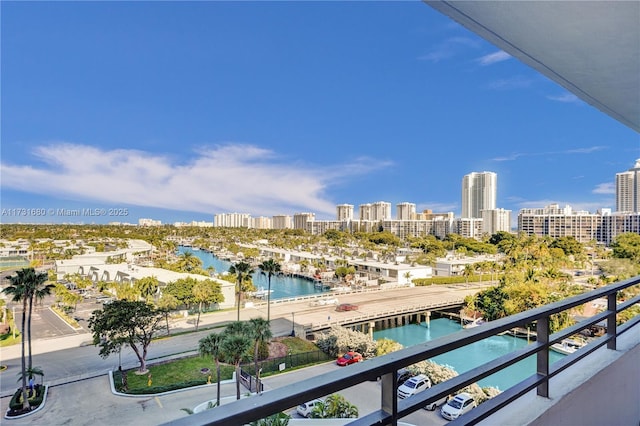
(349, 358)
(346, 307)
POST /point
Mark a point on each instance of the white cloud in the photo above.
(566, 98)
(516, 155)
(493, 58)
(608, 188)
(227, 178)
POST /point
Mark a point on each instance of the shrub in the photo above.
(35, 398)
(339, 340)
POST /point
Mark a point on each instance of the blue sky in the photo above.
(178, 111)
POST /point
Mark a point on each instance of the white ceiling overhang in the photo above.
(591, 48)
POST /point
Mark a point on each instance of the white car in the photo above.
(305, 409)
(436, 404)
(414, 385)
(457, 406)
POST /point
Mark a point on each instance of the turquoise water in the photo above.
(283, 287)
(471, 356)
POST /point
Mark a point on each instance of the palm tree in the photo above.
(37, 290)
(242, 271)
(211, 345)
(261, 333)
(25, 286)
(269, 268)
(236, 346)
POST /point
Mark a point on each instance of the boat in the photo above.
(475, 323)
(566, 346)
(261, 293)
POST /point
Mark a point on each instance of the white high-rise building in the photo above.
(406, 211)
(381, 210)
(344, 212)
(628, 190)
(300, 220)
(479, 192)
(497, 220)
(282, 221)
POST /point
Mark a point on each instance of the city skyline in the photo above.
(180, 111)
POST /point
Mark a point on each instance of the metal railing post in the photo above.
(611, 320)
(542, 363)
(389, 402)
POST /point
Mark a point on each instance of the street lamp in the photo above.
(293, 324)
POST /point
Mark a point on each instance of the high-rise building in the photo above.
(282, 221)
(406, 211)
(300, 220)
(628, 190)
(344, 212)
(479, 192)
(380, 210)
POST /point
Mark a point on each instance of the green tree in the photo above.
(269, 268)
(627, 246)
(334, 407)
(211, 345)
(236, 346)
(124, 322)
(182, 289)
(166, 304)
(147, 286)
(278, 419)
(261, 333)
(18, 290)
(242, 272)
(206, 292)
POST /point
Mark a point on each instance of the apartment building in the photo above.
(628, 190)
(479, 192)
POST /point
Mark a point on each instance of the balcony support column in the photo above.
(543, 356)
(389, 402)
(611, 321)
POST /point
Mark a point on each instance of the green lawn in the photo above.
(190, 371)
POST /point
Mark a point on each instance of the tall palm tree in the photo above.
(269, 268)
(236, 345)
(38, 289)
(24, 287)
(211, 345)
(261, 331)
(242, 271)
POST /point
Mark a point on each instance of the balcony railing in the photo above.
(392, 410)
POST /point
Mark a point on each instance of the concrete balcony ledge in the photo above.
(601, 389)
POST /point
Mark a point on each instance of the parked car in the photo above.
(414, 385)
(436, 404)
(403, 376)
(457, 406)
(346, 307)
(350, 357)
(305, 409)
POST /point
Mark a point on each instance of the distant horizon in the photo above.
(178, 111)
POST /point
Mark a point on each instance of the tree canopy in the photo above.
(125, 323)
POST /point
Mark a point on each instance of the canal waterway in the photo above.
(282, 286)
(471, 356)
